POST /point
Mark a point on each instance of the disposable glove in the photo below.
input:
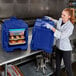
(48, 26)
(48, 18)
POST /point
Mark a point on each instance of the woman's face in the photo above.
(65, 16)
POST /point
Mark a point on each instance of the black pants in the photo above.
(66, 55)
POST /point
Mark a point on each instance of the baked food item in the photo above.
(11, 37)
(17, 37)
(20, 41)
(22, 36)
(12, 42)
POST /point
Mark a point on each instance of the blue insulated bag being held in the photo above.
(42, 38)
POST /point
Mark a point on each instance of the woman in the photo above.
(62, 33)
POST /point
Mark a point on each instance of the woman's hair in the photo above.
(70, 12)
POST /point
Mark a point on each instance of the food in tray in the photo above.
(17, 37)
(12, 42)
(11, 34)
(21, 33)
(21, 41)
(17, 31)
(22, 36)
(11, 37)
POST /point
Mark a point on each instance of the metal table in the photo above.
(6, 58)
(9, 57)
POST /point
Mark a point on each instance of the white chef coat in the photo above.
(62, 35)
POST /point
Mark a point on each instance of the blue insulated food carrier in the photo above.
(14, 27)
(42, 38)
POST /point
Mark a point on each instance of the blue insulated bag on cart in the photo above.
(42, 38)
(14, 34)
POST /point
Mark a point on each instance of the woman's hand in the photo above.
(49, 18)
(49, 26)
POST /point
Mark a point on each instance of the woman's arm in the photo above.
(58, 34)
(67, 33)
(50, 18)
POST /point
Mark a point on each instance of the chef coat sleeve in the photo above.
(65, 34)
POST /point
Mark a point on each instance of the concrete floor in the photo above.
(63, 73)
(30, 69)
